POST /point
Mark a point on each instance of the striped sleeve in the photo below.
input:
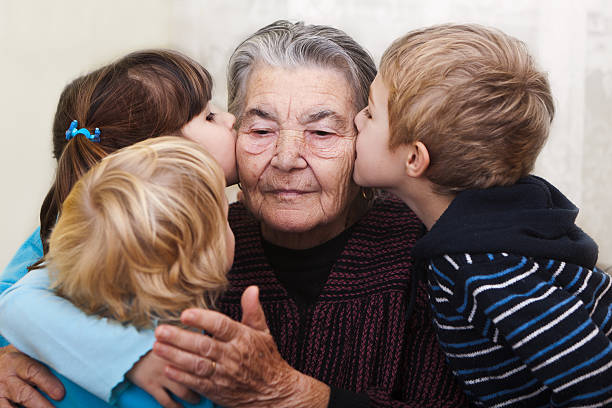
(553, 317)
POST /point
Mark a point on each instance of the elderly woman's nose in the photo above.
(288, 151)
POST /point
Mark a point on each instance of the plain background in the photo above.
(46, 44)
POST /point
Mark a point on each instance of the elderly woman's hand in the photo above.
(18, 376)
(240, 364)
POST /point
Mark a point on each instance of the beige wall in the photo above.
(45, 44)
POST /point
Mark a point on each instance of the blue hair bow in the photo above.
(73, 131)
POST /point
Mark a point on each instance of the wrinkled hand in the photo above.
(240, 364)
(19, 374)
(148, 374)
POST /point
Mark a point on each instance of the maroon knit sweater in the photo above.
(357, 336)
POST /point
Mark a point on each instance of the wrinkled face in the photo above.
(213, 129)
(295, 151)
(376, 165)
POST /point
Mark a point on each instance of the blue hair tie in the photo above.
(73, 131)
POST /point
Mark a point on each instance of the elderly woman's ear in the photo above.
(240, 196)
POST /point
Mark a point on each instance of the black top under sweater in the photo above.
(303, 273)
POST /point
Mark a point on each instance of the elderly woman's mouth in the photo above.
(287, 194)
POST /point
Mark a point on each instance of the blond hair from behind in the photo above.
(474, 97)
(142, 235)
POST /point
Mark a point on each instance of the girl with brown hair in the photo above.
(144, 94)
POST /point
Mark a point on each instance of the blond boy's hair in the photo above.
(473, 96)
(142, 235)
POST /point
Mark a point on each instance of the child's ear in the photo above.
(417, 160)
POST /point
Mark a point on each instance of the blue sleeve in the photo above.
(29, 252)
(132, 397)
(75, 396)
(136, 397)
(95, 353)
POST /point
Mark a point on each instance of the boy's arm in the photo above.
(95, 353)
(552, 315)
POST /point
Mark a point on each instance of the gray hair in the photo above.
(286, 44)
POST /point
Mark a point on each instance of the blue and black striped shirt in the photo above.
(519, 331)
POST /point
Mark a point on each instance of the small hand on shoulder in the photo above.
(148, 374)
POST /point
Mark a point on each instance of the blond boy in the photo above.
(144, 234)
(455, 121)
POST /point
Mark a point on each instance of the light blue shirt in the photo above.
(95, 353)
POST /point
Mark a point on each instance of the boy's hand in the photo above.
(149, 375)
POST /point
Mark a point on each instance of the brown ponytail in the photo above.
(78, 157)
(144, 94)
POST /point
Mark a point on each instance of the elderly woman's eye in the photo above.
(261, 132)
(322, 133)
(257, 140)
(322, 142)
(210, 117)
(366, 112)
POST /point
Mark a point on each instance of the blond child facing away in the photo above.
(456, 118)
(142, 236)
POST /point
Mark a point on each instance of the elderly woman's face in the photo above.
(295, 150)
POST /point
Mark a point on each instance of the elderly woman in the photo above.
(338, 319)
